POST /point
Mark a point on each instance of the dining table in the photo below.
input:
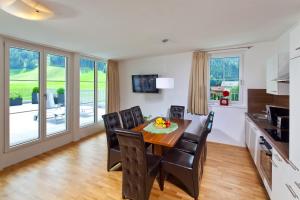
(161, 141)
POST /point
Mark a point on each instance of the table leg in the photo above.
(157, 150)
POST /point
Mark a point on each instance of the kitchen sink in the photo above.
(260, 116)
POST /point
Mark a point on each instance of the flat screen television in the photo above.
(144, 83)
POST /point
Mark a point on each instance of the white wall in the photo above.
(229, 122)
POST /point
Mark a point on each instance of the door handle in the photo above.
(297, 184)
(278, 158)
(293, 166)
(292, 191)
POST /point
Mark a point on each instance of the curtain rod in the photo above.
(232, 48)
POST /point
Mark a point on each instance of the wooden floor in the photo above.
(78, 171)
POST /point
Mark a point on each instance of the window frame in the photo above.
(241, 75)
(43, 51)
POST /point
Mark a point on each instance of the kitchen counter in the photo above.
(281, 147)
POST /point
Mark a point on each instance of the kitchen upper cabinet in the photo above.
(295, 42)
(273, 72)
(294, 144)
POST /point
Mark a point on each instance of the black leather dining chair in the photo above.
(139, 169)
(189, 146)
(187, 168)
(177, 112)
(127, 119)
(195, 137)
(112, 121)
(137, 115)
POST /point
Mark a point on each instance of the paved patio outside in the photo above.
(24, 122)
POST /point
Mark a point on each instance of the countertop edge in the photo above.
(279, 148)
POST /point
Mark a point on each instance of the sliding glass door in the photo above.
(92, 90)
(87, 92)
(101, 84)
(56, 94)
(24, 98)
(36, 94)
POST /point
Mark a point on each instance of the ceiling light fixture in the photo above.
(26, 9)
(165, 40)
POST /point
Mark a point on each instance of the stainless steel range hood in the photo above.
(285, 78)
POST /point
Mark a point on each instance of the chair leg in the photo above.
(107, 168)
(161, 179)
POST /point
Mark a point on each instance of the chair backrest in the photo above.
(111, 121)
(137, 115)
(134, 163)
(201, 144)
(177, 112)
(209, 122)
(200, 150)
(127, 119)
(196, 166)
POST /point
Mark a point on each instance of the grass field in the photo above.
(22, 83)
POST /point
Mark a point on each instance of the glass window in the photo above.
(24, 112)
(56, 94)
(87, 91)
(225, 75)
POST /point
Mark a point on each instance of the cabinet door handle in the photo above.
(294, 166)
(297, 184)
(297, 49)
(278, 158)
(292, 191)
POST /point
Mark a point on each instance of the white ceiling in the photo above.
(133, 28)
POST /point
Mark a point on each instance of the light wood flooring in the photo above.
(78, 172)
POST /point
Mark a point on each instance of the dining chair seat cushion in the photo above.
(186, 146)
(190, 137)
(179, 158)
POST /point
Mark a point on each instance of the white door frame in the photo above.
(43, 51)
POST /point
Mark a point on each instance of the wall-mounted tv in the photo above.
(144, 83)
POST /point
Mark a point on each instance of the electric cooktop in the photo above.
(279, 135)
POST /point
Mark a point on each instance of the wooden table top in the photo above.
(167, 140)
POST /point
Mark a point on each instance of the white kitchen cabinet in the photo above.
(272, 73)
(280, 178)
(294, 145)
(285, 179)
(293, 182)
(252, 140)
(247, 131)
(295, 42)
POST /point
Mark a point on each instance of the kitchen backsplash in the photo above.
(258, 99)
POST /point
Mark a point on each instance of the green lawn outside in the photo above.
(22, 83)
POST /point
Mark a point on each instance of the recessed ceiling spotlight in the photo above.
(26, 9)
(165, 40)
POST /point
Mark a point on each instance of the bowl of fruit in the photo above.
(162, 123)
